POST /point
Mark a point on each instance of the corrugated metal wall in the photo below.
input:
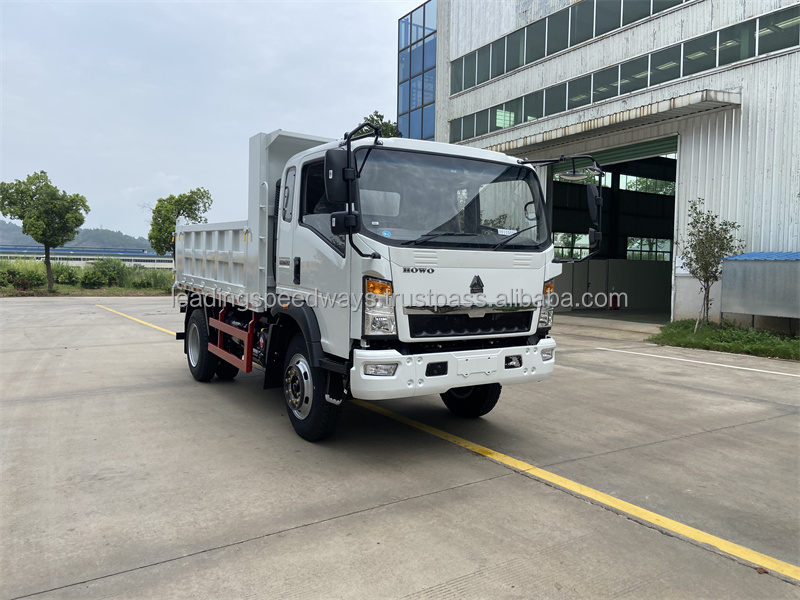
(743, 161)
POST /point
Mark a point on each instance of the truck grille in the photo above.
(432, 326)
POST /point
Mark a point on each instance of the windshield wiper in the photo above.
(505, 240)
(429, 236)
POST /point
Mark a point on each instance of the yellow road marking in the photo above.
(640, 513)
(137, 320)
(686, 531)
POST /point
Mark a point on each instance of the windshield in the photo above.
(411, 198)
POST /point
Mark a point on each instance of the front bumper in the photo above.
(466, 368)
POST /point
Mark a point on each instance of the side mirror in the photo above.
(595, 202)
(530, 211)
(338, 176)
(344, 222)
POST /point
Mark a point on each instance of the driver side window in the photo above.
(315, 209)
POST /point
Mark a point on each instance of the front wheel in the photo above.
(472, 402)
(312, 417)
(202, 363)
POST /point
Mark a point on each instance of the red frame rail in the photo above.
(246, 336)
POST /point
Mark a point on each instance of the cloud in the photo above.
(125, 102)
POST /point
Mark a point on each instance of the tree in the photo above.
(651, 186)
(191, 206)
(708, 241)
(51, 217)
(388, 128)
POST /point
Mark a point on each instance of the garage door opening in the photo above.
(631, 277)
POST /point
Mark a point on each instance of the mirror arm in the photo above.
(359, 252)
(576, 260)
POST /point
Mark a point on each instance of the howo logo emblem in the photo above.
(417, 270)
(476, 287)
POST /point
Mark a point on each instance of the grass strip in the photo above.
(728, 338)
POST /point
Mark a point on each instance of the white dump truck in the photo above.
(375, 268)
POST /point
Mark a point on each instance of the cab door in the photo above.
(318, 263)
(286, 224)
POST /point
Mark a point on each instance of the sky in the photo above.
(128, 102)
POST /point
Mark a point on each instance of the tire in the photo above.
(472, 402)
(202, 363)
(312, 417)
(226, 371)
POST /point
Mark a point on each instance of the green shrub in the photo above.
(23, 274)
(66, 274)
(140, 277)
(113, 269)
(93, 279)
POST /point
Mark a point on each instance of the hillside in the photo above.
(11, 235)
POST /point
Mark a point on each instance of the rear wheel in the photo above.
(312, 417)
(202, 363)
(472, 402)
(226, 370)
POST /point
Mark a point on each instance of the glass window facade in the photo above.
(633, 75)
(608, 16)
(579, 92)
(558, 31)
(429, 87)
(634, 10)
(470, 61)
(737, 43)
(555, 99)
(581, 25)
(535, 39)
(569, 27)
(416, 74)
(498, 58)
(665, 65)
(700, 54)
(515, 50)
(779, 30)
(484, 54)
(533, 106)
(769, 33)
(605, 84)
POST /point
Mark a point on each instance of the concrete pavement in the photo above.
(123, 477)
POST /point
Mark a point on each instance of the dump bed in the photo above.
(233, 261)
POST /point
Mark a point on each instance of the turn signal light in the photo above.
(379, 288)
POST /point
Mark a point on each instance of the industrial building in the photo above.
(676, 100)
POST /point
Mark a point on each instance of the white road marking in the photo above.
(701, 362)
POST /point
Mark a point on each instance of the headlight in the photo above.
(379, 316)
(546, 311)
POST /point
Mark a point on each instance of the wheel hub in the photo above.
(193, 345)
(298, 387)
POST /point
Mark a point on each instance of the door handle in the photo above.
(297, 270)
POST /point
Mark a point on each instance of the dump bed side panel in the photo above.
(212, 259)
